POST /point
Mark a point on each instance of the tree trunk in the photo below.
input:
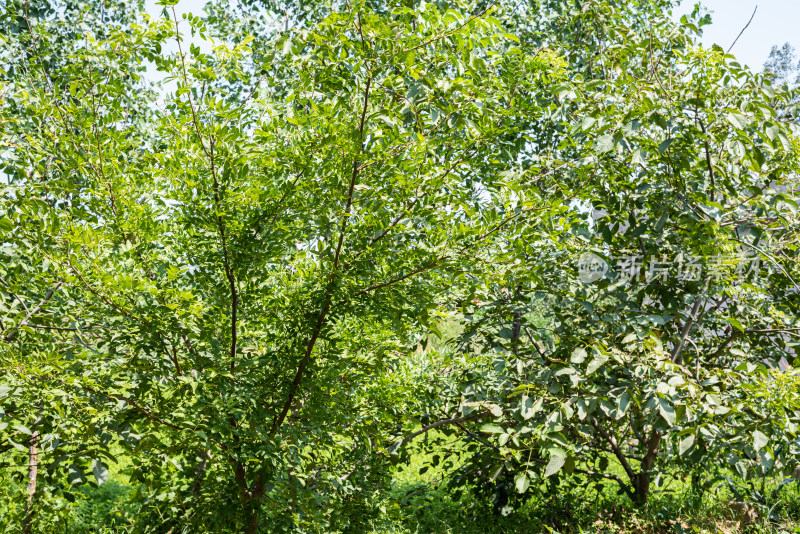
(251, 519)
(252, 505)
(641, 483)
(200, 471)
(641, 488)
(33, 472)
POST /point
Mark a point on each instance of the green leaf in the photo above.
(100, 471)
(492, 429)
(665, 144)
(666, 410)
(521, 482)
(605, 143)
(737, 120)
(554, 465)
(622, 404)
(759, 440)
(578, 355)
(630, 338)
(496, 410)
(587, 123)
(529, 407)
(735, 323)
(496, 472)
(741, 468)
(596, 363)
(686, 444)
(75, 475)
(569, 465)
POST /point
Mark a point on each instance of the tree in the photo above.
(227, 285)
(782, 65)
(235, 268)
(664, 297)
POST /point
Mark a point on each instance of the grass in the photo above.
(418, 510)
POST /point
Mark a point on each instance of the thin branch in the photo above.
(133, 404)
(99, 295)
(403, 212)
(771, 330)
(401, 278)
(534, 342)
(708, 160)
(451, 32)
(771, 259)
(625, 487)
(615, 448)
(59, 328)
(15, 295)
(476, 437)
(217, 198)
(225, 256)
(33, 312)
(186, 82)
(743, 29)
(437, 424)
(687, 327)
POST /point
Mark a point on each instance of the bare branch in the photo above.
(743, 29)
(687, 327)
(609, 437)
(437, 424)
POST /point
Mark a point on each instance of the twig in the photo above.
(743, 29)
(437, 424)
(615, 447)
(33, 312)
(687, 327)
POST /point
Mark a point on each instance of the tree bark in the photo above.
(641, 483)
(251, 518)
(200, 471)
(33, 472)
(253, 496)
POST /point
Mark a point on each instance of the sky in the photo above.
(775, 22)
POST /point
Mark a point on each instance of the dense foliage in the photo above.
(557, 239)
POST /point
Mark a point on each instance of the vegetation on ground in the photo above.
(395, 266)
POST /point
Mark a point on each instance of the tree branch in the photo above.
(615, 448)
(225, 256)
(743, 29)
(437, 424)
(451, 32)
(33, 312)
(401, 278)
(687, 326)
(625, 487)
(708, 159)
(133, 404)
(298, 376)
